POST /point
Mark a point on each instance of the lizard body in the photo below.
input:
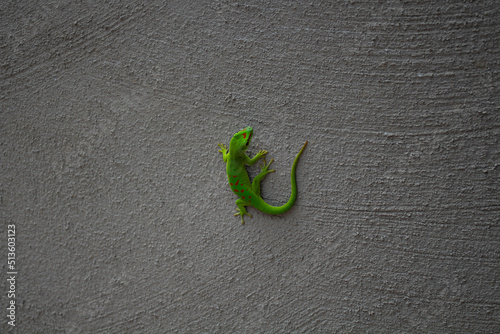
(249, 192)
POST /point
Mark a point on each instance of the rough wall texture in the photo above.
(110, 119)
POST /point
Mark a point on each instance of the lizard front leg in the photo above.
(223, 150)
(257, 157)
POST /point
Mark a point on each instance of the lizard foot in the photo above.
(223, 148)
(239, 213)
(264, 167)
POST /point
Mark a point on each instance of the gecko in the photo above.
(249, 193)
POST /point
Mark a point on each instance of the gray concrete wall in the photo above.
(110, 119)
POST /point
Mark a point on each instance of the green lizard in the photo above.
(249, 193)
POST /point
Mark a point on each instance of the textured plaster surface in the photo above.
(110, 117)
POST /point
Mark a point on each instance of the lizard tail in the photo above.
(275, 210)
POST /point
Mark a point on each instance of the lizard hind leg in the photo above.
(263, 172)
(241, 210)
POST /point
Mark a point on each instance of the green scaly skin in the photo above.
(249, 193)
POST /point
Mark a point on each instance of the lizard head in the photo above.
(241, 140)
